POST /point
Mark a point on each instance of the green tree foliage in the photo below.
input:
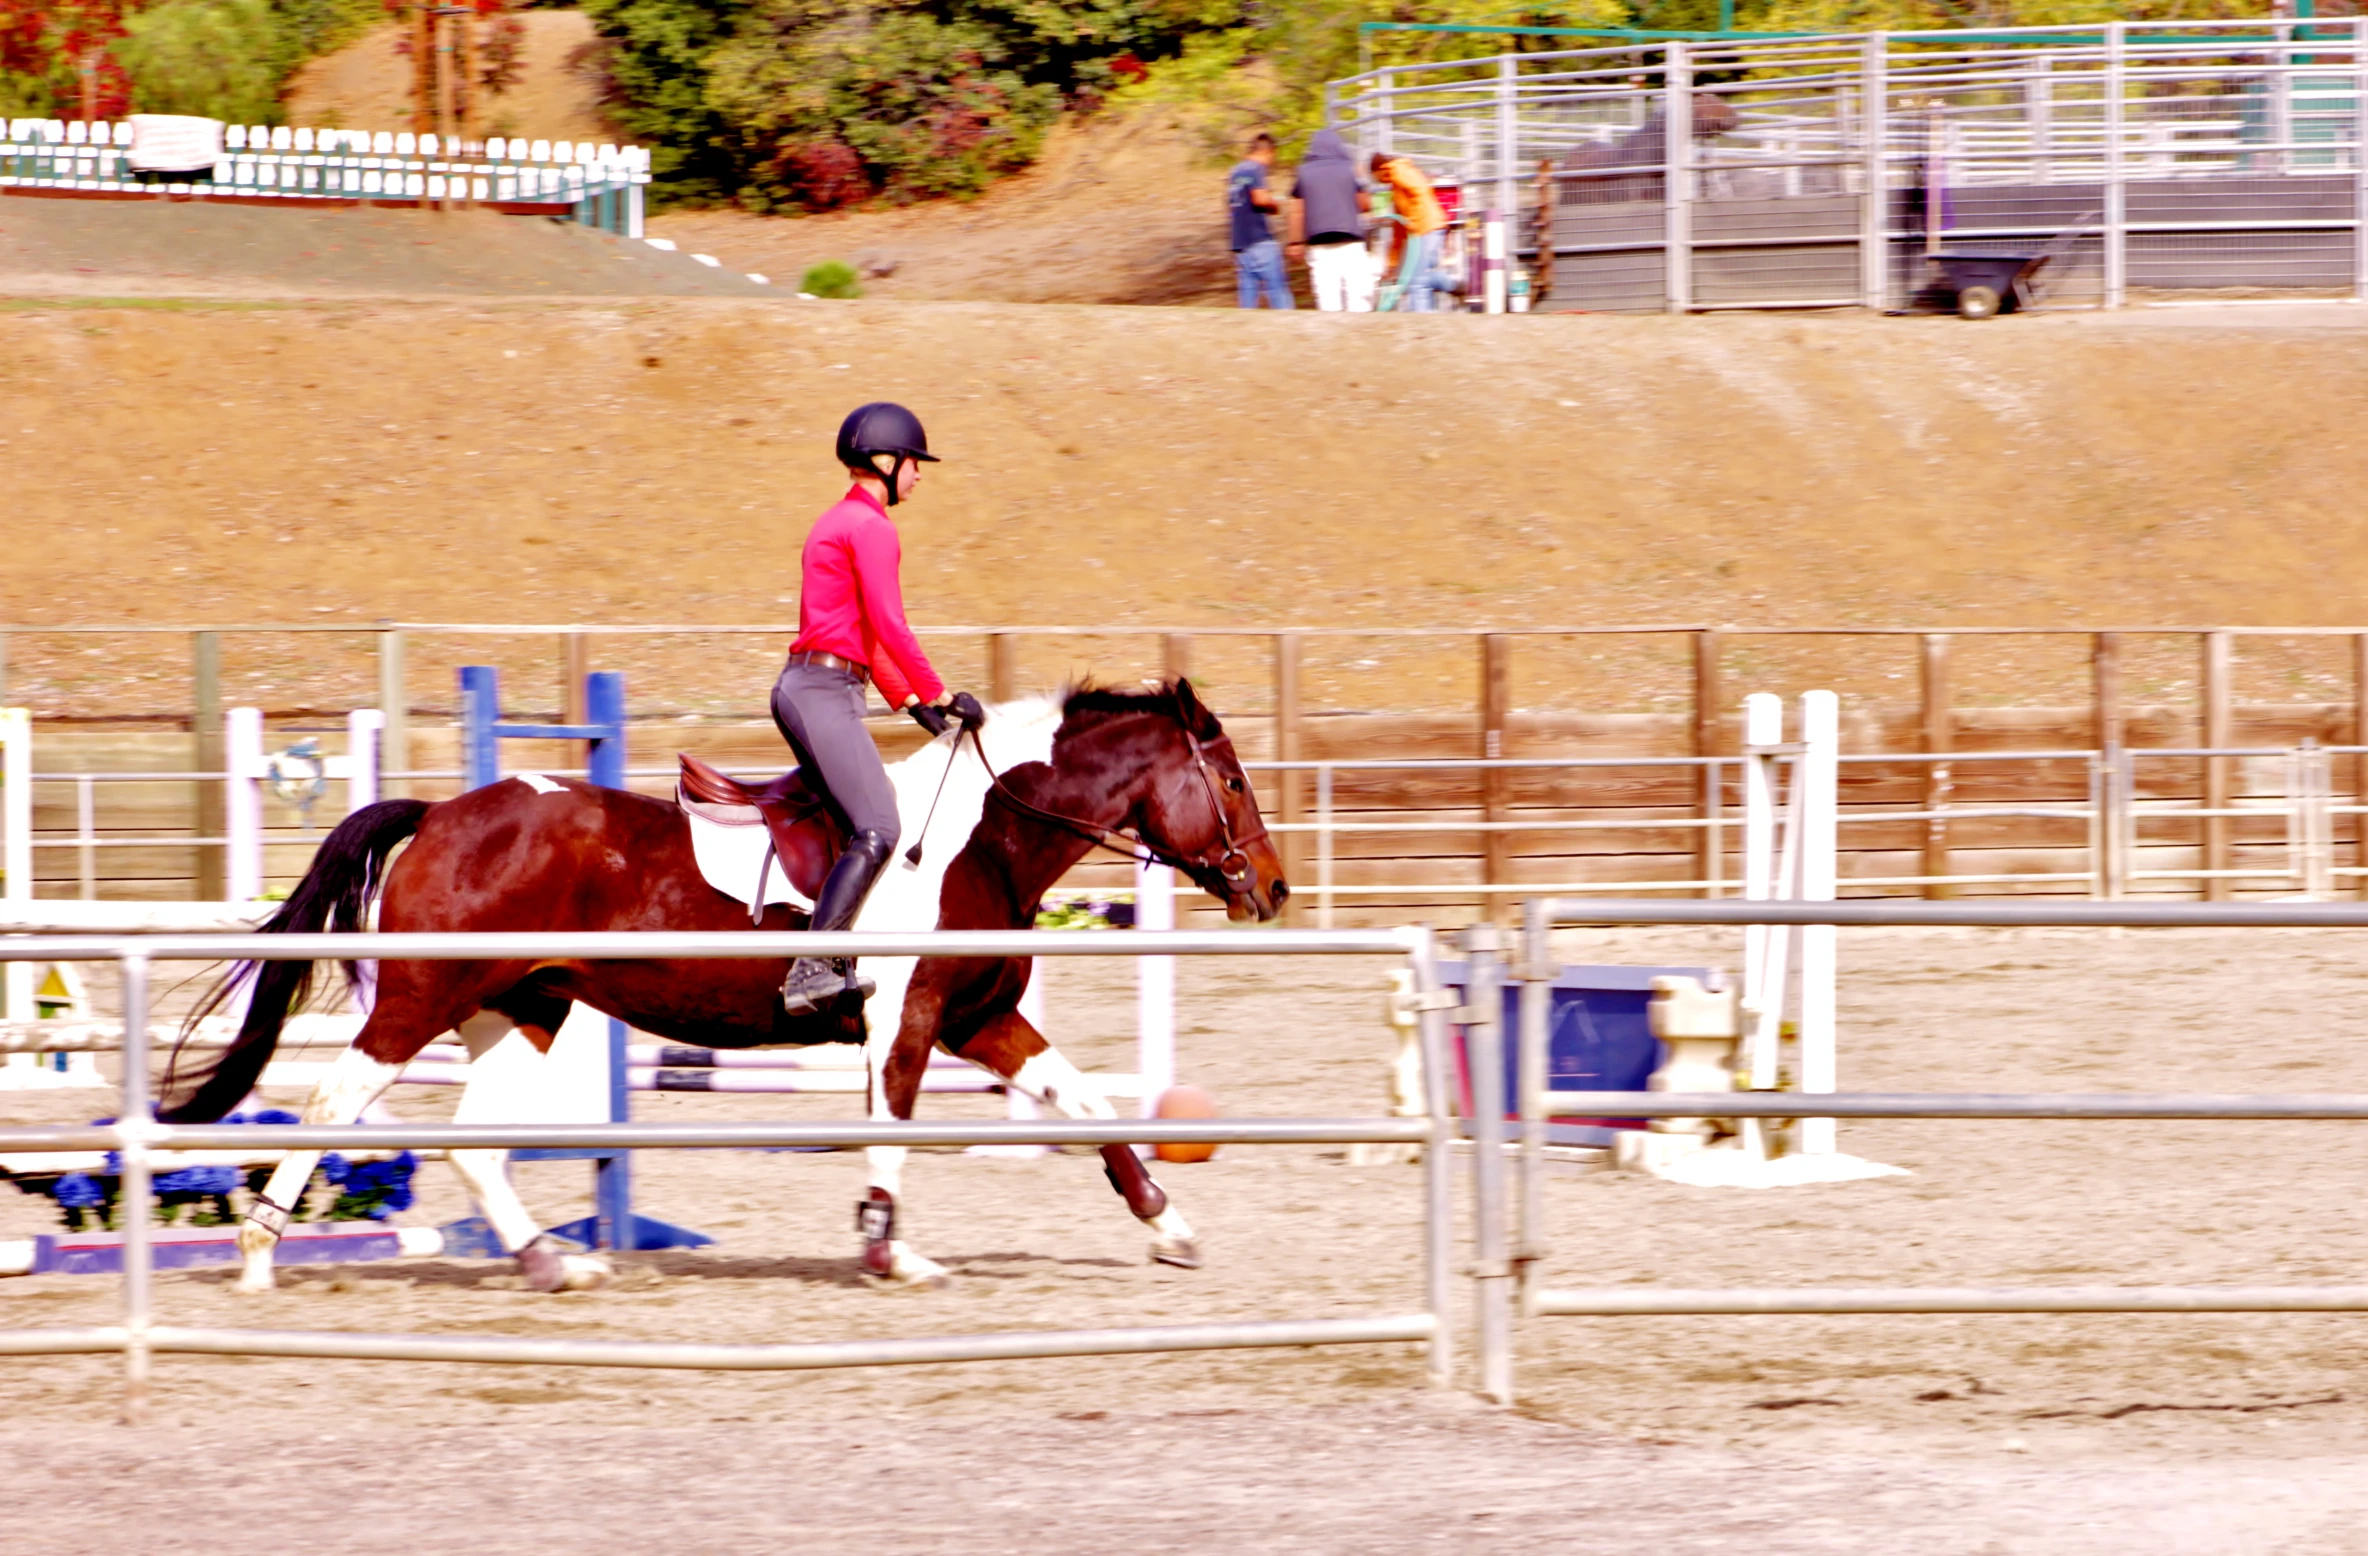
(225, 59)
(222, 59)
(810, 104)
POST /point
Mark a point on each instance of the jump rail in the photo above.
(1506, 1271)
(137, 1137)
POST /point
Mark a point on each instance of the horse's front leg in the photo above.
(896, 1061)
(1010, 1047)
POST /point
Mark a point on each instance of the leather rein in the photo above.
(1232, 862)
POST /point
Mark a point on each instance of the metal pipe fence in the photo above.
(1512, 1280)
(2143, 160)
(138, 1139)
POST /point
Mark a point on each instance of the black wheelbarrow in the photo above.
(1979, 285)
(1983, 284)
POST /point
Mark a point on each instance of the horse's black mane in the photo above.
(1153, 697)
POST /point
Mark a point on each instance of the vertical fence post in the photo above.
(1536, 973)
(1003, 666)
(205, 756)
(1484, 1038)
(2217, 775)
(1383, 139)
(394, 737)
(1710, 847)
(1498, 240)
(1763, 727)
(1175, 655)
(242, 805)
(1325, 847)
(1820, 780)
(1155, 988)
(16, 847)
(1677, 105)
(2117, 192)
(2360, 162)
(575, 663)
(2105, 678)
(1874, 212)
(132, 1200)
(1437, 1184)
(1939, 738)
(1286, 749)
(2360, 737)
(1496, 848)
(364, 728)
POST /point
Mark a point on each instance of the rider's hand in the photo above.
(965, 707)
(929, 716)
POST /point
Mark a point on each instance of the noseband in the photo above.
(1228, 858)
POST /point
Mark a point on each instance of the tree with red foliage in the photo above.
(55, 59)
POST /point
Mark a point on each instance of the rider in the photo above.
(851, 629)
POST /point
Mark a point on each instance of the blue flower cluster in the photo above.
(359, 1190)
(369, 1190)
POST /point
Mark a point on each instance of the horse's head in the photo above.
(1188, 798)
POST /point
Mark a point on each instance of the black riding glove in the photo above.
(965, 707)
(929, 716)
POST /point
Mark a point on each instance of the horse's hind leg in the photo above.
(1009, 1047)
(354, 1081)
(486, 1175)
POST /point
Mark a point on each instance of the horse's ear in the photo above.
(1189, 710)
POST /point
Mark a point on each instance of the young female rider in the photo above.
(851, 629)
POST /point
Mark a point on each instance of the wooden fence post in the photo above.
(1003, 666)
(1939, 736)
(575, 662)
(1286, 749)
(207, 754)
(394, 704)
(2110, 721)
(2217, 833)
(1175, 655)
(1709, 847)
(1496, 703)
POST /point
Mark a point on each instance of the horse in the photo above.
(1016, 803)
(1644, 148)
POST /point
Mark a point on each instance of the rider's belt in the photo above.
(822, 661)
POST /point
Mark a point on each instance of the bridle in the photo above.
(1231, 860)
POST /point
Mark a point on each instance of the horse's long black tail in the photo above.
(335, 894)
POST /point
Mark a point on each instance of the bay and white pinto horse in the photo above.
(1151, 767)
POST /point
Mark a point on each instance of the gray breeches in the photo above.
(820, 712)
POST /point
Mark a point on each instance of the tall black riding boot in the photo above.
(815, 983)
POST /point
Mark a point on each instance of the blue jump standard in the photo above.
(613, 1223)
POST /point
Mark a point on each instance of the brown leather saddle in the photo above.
(806, 836)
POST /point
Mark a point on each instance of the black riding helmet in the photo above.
(883, 427)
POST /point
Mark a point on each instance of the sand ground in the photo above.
(2037, 1434)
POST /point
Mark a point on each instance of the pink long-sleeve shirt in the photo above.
(851, 603)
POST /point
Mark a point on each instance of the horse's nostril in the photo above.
(1282, 891)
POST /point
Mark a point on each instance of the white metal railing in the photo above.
(138, 1337)
(1507, 1269)
(2164, 156)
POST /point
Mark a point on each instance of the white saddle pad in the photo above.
(729, 858)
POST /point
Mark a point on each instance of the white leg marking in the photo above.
(489, 1185)
(1053, 1080)
(354, 1082)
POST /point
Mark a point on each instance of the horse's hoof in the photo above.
(255, 1282)
(1182, 1252)
(543, 1266)
(895, 1265)
(584, 1272)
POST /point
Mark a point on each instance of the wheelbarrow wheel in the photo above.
(1977, 302)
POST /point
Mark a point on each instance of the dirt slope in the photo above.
(658, 461)
(367, 85)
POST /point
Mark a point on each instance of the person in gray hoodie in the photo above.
(1328, 206)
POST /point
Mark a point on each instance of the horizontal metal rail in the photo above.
(841, 1133)
(796, 1356)
(1864, 913)
(1960, 1105)
(687, 945)
(1618, 1302)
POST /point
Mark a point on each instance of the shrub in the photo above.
(832, 278)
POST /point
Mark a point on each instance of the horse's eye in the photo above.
(1234, 785)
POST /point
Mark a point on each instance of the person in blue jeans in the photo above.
(1257, 257)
